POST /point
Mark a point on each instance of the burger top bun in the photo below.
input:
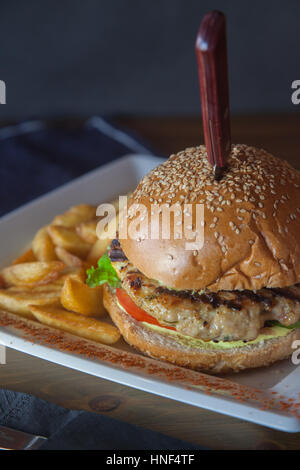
(251, 222)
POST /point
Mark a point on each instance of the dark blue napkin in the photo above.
(36, 157)
(78, 430)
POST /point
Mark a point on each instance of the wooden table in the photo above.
(72, 389)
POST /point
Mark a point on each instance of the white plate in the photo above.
(240, 395)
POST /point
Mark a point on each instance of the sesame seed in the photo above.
(252, 177)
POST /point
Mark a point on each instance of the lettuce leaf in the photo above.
(289, 327)
(103, 274)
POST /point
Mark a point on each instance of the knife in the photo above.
(12, 439)
(211, 50)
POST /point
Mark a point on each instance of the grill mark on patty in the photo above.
(215, 300)
(254, 297)
(211, 298)
(283, 292)
(136, 283)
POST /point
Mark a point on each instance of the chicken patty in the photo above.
(226, 315)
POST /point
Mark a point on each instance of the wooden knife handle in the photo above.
(211, 50)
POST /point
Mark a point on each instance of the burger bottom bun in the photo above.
(165, 347)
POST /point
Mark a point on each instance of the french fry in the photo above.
(47, 282)
(25, 257)
(18, 301)
(75, 216)
(87, 231)
(80, 298)
(2, 282)
(42, 246)
(97, 250)
(32, 274)
(51, 287)
(86, 327)
(68, 239)
(73, 272)
(68, 258)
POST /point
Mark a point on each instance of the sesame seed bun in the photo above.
(164, 346)
(251, 222)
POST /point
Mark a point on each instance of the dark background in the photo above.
(80, 57)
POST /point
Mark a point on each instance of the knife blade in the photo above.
(13, 439)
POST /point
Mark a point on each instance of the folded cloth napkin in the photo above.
(37, 157)
(78, 430)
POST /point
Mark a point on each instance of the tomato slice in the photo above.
(136, 312)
